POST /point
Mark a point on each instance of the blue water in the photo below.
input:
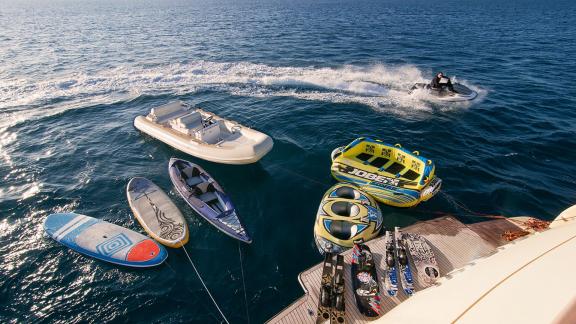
(313, 75)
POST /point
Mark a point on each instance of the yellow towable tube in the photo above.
(390, 173)
(346, 216)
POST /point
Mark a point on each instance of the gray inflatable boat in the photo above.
(206, 197)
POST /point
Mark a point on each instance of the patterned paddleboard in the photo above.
(104, 241)
(157, 214)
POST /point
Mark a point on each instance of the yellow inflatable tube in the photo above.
(390, 173)
(346, 216)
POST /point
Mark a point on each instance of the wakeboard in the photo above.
(365, 281)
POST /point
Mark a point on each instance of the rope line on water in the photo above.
(244, 283)
(446, 196)
(470, 212)
(279, 166)
(204, 284)
(203, 304)
(533, 224)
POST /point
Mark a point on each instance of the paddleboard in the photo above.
(156, 212)
(104, 241)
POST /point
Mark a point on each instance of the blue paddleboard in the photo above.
(104, 241)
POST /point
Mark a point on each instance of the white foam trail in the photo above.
(378, 86)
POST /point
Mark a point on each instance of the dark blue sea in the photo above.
(313, 75)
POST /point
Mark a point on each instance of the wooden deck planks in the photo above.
(491, 231)
(454, 244)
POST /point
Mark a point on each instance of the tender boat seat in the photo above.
(191, 121)
(187, 124)
(169, 111)
(210, 134)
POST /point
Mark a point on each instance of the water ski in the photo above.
(460, 93)
(391, 280)
(423, 257)
(403, 266)
(365, 281)
(325, 300)
(338, 305)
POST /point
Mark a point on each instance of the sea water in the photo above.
(313, 75)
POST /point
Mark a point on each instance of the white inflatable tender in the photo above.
(204, 135)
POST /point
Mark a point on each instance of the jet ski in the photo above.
(460, 93)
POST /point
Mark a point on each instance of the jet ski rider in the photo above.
(440, 82)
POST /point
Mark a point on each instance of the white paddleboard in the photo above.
(156, 212)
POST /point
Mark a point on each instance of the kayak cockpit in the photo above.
(206, 197)
(202, 187)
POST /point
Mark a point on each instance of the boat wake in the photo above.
(378, 86)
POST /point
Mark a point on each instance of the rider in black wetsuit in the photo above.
(440, 81)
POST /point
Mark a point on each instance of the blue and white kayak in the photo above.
(206, 197)
(104, 241)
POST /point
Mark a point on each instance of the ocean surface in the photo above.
(313, 75)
